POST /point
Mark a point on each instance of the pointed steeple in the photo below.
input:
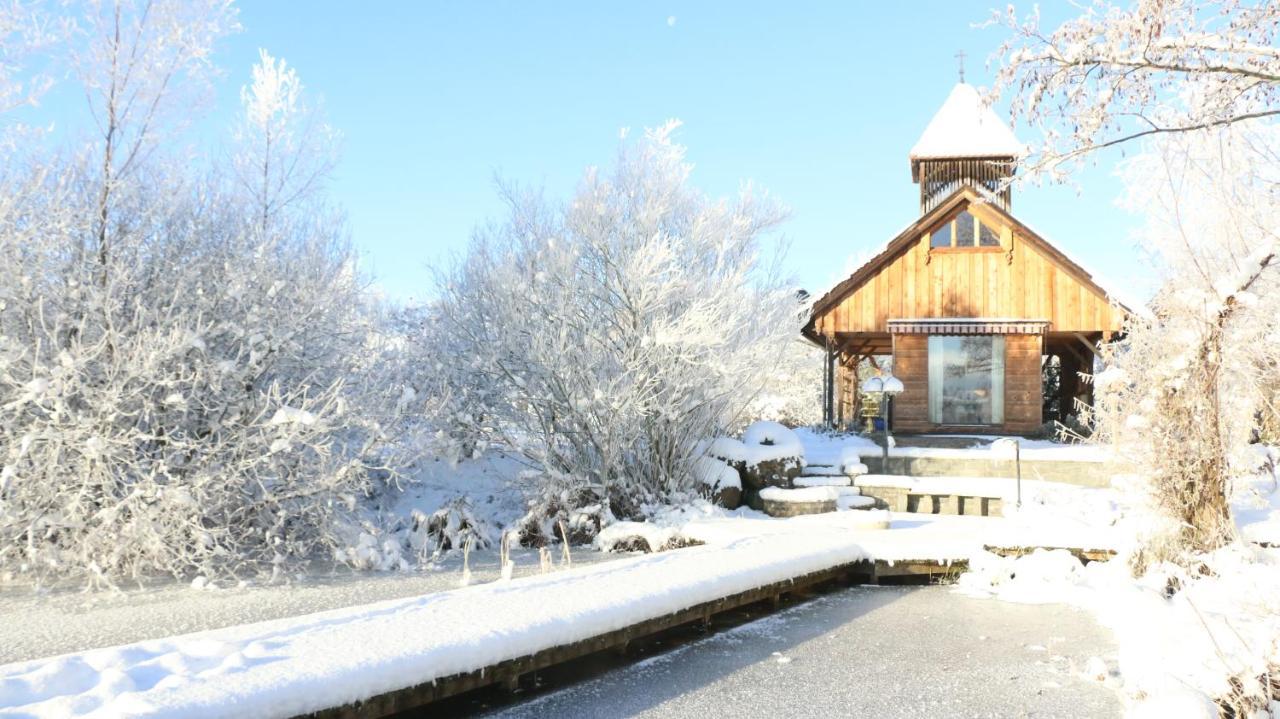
(965, 142)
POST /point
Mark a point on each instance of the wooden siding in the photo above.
(1022, 279)
(1022, 385)
(911, 365)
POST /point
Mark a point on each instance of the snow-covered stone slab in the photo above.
(836, 480)
(806, 494)
(855, 501)
(995, 487)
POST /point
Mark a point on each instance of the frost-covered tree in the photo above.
(1189, 384)
(1121, 72)
(143, 64)
(606, 336)
(792, 393)
(22, 33)
(285, 150)
(181, 391)
(1193, 80)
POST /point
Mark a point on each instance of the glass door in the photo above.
(966, 379)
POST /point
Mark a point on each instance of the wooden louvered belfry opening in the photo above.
(939, 179)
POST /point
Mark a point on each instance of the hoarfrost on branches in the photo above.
(1117, 73)
(1195, 83)
(183, 389)
(605, 337)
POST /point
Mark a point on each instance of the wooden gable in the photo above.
(1023, 278)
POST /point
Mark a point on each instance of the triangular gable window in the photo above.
(964, 230)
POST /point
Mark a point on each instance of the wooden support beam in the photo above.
(1084, 361)
(1093, 351)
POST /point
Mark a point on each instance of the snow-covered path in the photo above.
(866, 651)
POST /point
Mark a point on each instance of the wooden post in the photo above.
(826, 404)
(828, 411)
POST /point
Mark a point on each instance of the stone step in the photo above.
(823, 480)
(829, 470)
(855, 501)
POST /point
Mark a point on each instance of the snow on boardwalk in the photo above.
(291, 666)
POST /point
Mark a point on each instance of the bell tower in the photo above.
(965, 143)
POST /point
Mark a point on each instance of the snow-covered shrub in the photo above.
(190, 414)
(450, 527)
(606, 336)
(560, 508)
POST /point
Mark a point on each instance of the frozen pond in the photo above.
(41, 624)
(865, 651)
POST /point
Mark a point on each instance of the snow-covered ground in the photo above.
(1176, 653)
(289, 666)
(295, 664)
(1183, 636)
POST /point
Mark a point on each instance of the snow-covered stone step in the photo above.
(780, 502)
(838, 480)
(854, 501)
(847, 469)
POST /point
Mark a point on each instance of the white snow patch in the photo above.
(966, 126)
(807, 494)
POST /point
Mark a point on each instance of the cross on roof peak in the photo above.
(960, 55)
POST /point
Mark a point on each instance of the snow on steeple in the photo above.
(966, 127)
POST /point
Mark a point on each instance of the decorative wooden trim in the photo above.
(967, 248)
(968, 326)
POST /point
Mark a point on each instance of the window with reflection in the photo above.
(941, 236)
(965, 231)
(966, 379)
(965, 224)
(987, 237)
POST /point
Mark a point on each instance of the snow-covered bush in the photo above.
(451, 527)
(607, 335)
(793, 391)
(184, 384)
(185, 410)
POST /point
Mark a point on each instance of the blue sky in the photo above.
(818, 103)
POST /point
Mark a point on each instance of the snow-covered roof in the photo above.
(965, 126)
